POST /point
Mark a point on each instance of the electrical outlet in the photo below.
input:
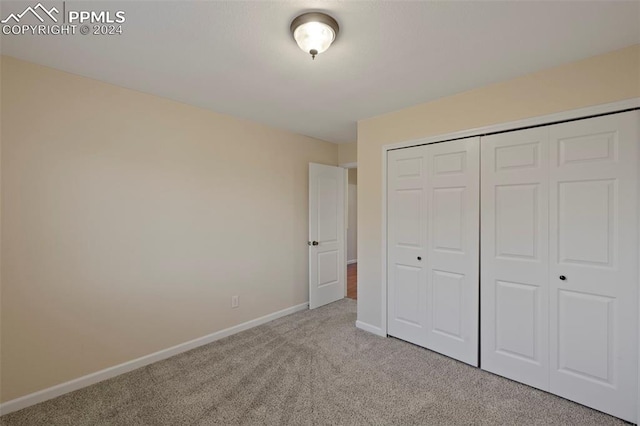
(235, 301)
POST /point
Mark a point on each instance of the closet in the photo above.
(559, 259)
(433, 207)
(554, 211)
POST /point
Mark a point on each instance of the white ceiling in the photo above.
(238, 57)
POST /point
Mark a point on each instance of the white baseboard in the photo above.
(349, 262)
(107, 373)
(370, 328)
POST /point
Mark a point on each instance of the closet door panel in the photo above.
(433, 234)
(407, 229)
(514, 255)
(594, 262)
(452, 248)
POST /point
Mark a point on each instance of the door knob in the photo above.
(419, 258)
(313, 243)
(562, 277)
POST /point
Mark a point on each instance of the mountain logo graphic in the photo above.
(34, 11)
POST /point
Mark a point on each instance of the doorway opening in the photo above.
(352, 233)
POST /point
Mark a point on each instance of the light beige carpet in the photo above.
(310, 368)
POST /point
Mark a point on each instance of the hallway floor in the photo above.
(352, 281)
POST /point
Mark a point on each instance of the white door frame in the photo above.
(608, 108)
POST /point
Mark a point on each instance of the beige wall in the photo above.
(347, 153)
(129, 221)
(1, 61)
(598, 80)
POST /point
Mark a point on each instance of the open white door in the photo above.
(327, 264)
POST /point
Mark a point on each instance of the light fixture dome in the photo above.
(314, 32)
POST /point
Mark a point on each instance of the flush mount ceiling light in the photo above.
(314, 32)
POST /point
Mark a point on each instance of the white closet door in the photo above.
(594, 262)
(432, 251)
(514, 256)
(406, 253)
(452, 248)
(559, 256)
